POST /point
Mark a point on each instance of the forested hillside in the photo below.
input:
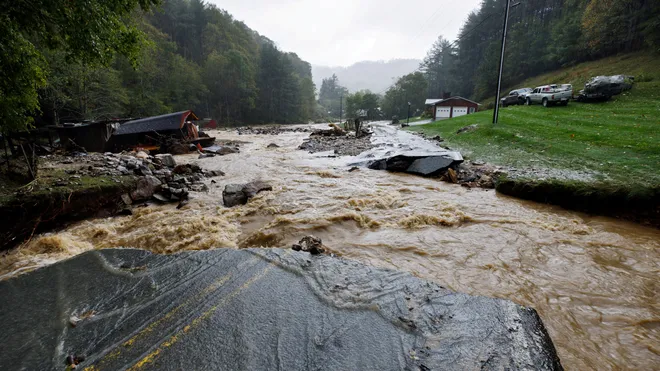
(544, 35)
(191, 55)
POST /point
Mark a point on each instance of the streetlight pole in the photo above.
(496, 113)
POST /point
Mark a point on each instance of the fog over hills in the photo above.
(372, 75)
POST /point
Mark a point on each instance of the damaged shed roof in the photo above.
(170, 121)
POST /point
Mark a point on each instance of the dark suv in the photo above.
(516, 97)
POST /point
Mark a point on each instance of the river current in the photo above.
(593, 280)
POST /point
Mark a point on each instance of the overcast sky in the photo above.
(342, 32)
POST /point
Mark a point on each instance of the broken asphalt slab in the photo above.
(256, 309)
(419, 163)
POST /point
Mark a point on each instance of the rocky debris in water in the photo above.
(271, 130)
(310, 244)
(347, 145)
(165, 160)
(309, 298)
(354, 168)
(467, 129)
(477, 175)
(146, 187)
(430, 164)
(239, 194)
(334, 131)
(206, 155)
(224, 150)
(272, 145)
(213, 173)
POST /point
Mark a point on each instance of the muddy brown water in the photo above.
(593, 280)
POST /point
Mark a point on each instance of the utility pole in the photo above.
(496, 113)
(341, 108)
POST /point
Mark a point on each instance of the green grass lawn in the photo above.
(616, 143)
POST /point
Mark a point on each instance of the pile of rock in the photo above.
(271, 130)
(160, 177)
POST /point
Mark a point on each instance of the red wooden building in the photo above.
(443, 109)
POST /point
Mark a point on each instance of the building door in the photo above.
(460, 111)
(442, 112)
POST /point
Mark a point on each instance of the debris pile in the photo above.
(310, 244)
(337, 140)
(271, 130)
(160, 177)
(239, 194)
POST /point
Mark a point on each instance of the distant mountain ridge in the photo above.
(372, 75)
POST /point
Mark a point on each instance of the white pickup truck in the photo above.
(549, 95)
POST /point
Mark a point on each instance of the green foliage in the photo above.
(87, 31)
(362, 102)
(411, 89)
(543, 35)
(81, 60)
(331, 94)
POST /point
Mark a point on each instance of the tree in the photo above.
(439, 67)
(89, 31)
(409, 88)
(330, 95)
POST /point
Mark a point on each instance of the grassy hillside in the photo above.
(642, 65)
(608, 152)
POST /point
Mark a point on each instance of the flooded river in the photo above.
(593, 280)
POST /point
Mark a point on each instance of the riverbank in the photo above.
(58, 196)
(590, 278)
(600, 158)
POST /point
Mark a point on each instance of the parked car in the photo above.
(550, 95)
(602, 88)
(515, 97)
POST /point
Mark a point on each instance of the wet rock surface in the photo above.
(173, 311)
(240, 194)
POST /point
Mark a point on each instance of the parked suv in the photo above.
(550, 95)
(515, 97)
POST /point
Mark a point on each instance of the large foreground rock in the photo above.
(256, 309)
(425, 164)
(239, 194)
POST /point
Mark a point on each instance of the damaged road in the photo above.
(253, 309)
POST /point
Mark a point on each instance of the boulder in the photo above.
(251, 309)
(239, 194)
(272, 145)
(146, 187)
(213, 173)
(167, 159)
(233, 195)
(226, 150)
(142, 155)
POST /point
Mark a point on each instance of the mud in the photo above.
(593, 280)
